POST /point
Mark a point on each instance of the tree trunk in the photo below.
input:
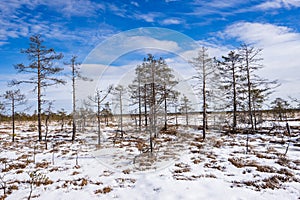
(234, 99)
(166, 109)
(249, 92)
(13, 118)
(176, 117)
(145, 106)
(98, 118)
(121, 112)
(39, 99)
(204, 98)
(74, 101)
(140, 102)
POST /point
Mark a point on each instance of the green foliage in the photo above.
(280, 108)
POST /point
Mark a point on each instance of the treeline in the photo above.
(227, 84)
(33, 117)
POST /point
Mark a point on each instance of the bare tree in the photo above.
(48, 112)
(205, 74)
(98, 99)
(15, 99)
(43, 68)
(74, 76)
(119, 91)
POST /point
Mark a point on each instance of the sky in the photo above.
(75, 27)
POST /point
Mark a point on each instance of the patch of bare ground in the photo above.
(125, 182)
(104, 190)
(272, 182)
(240, 162)
(182, 168)
(264, 155)
(214, 165)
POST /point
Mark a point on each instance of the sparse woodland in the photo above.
(240, 139)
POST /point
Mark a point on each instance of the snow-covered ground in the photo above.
(182, 166)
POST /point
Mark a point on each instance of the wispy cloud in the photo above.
(149, 17)
(171, 21)
(267, 5)
(26, 18)
(135, 3)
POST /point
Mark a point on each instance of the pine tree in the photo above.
(44, 71)
(185, 108)
(280, 107)
(256, 89)
(229, 69)
(205, 76)
(15, 99)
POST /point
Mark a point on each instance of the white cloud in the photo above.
(149, 17)
(258, 33)
(267, 5)
(16, 23)
(171, 21)
(135, 3)
(121, 44)
(281, 48)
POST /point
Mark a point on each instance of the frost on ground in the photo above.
(182, 166)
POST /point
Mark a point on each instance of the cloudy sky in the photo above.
(76, 27)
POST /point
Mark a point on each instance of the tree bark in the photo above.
(39, 98)
(74, 101)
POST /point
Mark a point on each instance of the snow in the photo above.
(181, 167)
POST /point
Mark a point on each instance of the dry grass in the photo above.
(104, 190)
(264, 168)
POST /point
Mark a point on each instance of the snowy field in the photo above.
(182, 166)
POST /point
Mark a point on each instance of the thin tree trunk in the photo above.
(74, 102)
(13, 118)
(166, 110)
(121, 112)
(204, 98)
(98, 118)
(234, 99)
(140, 108)
(249, 92)
(176, 117)
(145, 106)
(39, 99)
(140, 102)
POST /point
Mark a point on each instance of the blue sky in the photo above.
(76, 27)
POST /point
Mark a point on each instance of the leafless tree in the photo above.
(205, 74)
(98, 99)
(75, 75)
(119, 91)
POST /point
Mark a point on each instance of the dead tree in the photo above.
(75, 75)
(98, 99)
